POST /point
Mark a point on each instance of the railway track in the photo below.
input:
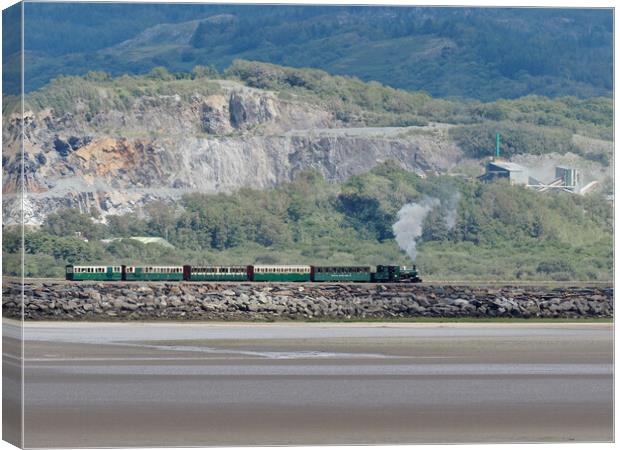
(473, 283)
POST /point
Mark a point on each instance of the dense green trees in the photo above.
(478, 231)
(482, 53)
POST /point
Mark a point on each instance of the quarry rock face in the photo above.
(160, 146)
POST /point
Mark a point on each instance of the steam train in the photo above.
(267, 273)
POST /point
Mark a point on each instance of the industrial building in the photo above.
(515, 173)
(567, 179)
(569, 175)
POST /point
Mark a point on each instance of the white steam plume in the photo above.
(408, 227)
(451, 209)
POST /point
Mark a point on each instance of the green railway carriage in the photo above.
(341, 273)
(100, 273)
(273, 273)
(216, 273)
(279, 273)
(154, 273)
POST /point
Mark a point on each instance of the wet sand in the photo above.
(261, 384)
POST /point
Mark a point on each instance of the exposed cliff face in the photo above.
(160, 146)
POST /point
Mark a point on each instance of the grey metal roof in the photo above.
(511, 167)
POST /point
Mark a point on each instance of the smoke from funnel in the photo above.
(408, 227)
(451, 209)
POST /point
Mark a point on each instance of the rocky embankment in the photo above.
(153, 301)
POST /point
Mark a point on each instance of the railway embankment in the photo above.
(251, 301)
